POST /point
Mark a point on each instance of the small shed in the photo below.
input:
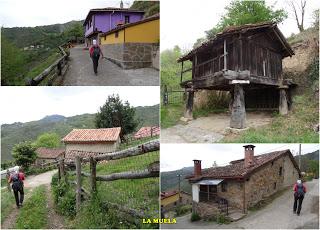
(91, 142)
(246, 61)
(47, 155)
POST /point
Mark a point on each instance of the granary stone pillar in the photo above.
(238, 109)
(189, 104)
(283, 100)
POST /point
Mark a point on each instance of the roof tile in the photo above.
(93, 135)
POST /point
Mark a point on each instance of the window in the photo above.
(271, 162)
(126, 19)
(105, 37)
(116, 34)
(175, 203)
(280, 171)
(224, 187)
(275, 185)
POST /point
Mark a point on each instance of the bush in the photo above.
(221, 219)
(183, 209)
(195, 217)
(64, 197)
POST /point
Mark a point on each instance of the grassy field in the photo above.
(43, 65)
(33, 214)
(7, 203)
(171, 114)
(296, 127)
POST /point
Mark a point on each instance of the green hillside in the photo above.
(12, 134)
(170, 181)
(306, 160)
(150, 7)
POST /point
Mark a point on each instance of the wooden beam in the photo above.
(150, 146)
(93, 172)
(129, 175)
(78, 189)
(224, 55)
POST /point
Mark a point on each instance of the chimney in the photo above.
(197, 167)
(121, 4)
(248, 155)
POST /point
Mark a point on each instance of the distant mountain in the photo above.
(12, 134)
(48, 35)
(169, 180)
(306, 158)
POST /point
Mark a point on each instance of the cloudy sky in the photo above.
(45, 12)
(183, 22)
(177, 156)
(22, 104)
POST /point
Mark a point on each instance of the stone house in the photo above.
(47, 155)
(91, 142)
(243, 183)
(102, 20)
(134, 45)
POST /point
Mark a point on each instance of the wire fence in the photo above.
(172, 96)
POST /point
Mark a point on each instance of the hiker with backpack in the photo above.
(299, 191)
(17, 186)
(95, 52)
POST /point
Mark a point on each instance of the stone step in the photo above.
(234, 216)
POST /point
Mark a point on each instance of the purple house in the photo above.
(104, 19)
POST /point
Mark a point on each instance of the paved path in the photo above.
(80, 72)
(277, 215)
(208, 129)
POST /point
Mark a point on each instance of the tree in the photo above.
(48, 140)
(115, 113)
(298, 8)
(245, 12)
(314, 168)
(24, 154)
(74, 32)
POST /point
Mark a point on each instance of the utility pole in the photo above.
(300, 156)
(179, 178)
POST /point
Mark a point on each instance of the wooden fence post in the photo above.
(59, 173)
(93, 172)
(78, 191)
(8, 184)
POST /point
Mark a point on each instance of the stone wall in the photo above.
(233, 194)
(132, 55)
(268, 181)
(211, 98)
(206, 210)
(113, 52)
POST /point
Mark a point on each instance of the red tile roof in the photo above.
(71, 154)
(48, 153)
(92, 135)
(237, 170)
(168, 194)
(146, 132)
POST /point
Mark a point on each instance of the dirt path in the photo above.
(30, 183)
(209, 129)
(81, 72)
(55, 221)
(277, 215)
